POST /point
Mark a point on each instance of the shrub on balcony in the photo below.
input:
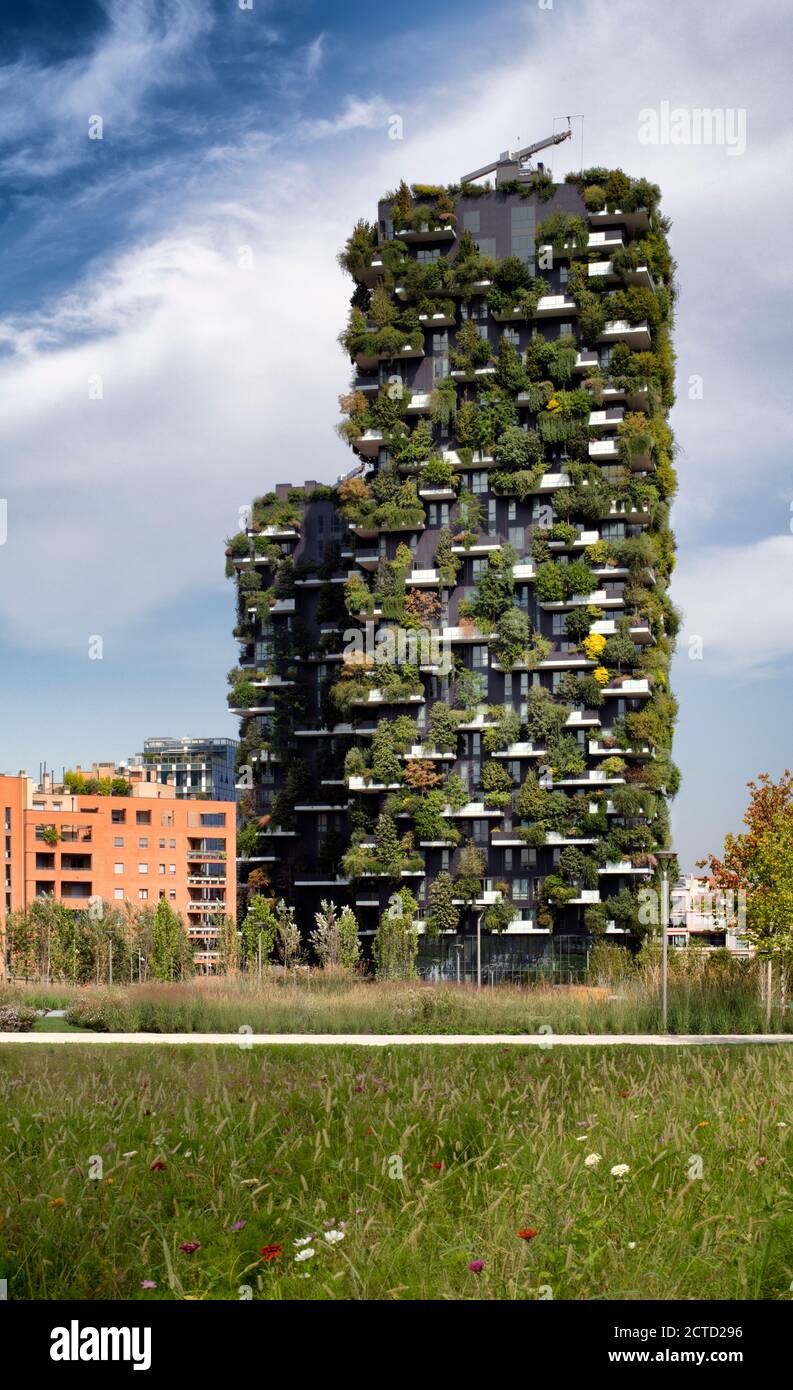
(358, 597)
(429, 822)
(505, 732)
(386, 767)
(357, 251)
(548, 582)
(512, 638)
(518, 448)
(443, 726)
(619, 651)
(438, 472)
(594, 198)
(563, 230)
(470, 350)
(244, 695)
(446, 561)
(566, 756)
(498, 915)
(248, 841)
(596, 920)
(557, 892)
(614, 766)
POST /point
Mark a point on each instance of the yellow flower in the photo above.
(703, 1124)
(593, 645)
(601, 675)
(57, 1202)
(110, 1180)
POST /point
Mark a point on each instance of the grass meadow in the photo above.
(705, 1000)
(421, 1173)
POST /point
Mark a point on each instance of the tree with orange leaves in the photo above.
(759, 862)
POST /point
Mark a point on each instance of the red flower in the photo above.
(476, 1266)
(437, 1165)
(270, 1252)
(190, 1246)
(528, 1233)
(157, 1166)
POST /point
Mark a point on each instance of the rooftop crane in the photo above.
(511, 164)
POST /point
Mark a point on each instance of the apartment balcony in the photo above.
(586, 361)
(439, 232)
(586, 896)
(629, 689)
(198, 905)
(560, 661)
(281, 606)
(420, 403)
(360, 784)
(423, 579)
(368, 559)
(370, 443)
(279, 533)
(472, 373)
(438, 494)
(474, 810)
(370, 360)
(553, 838)
(636, 335)
(555, 306)
(635, 397)
(583, 719)
(377, 697)
(434, 321)
(522, 750)
(322, 882)
(479, 721)
(460, 635)
(371, 273)
(634, 222)
(205, 881)
(594, 778)
(551, 482)
(523, 572)
(420, 753)
(611, 240)
(508, 315)
(583, 539)
(599, 598)
(476, 548)
(370, 385)
(641, 633)
(631, 511)
(598, 749)
(607, 419)
(624, 866)
(478, 461)
(602, 270)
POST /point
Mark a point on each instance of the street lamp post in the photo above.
(479, 916)
(664, 855)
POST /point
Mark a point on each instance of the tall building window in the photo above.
(522, 228)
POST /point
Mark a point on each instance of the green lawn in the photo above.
(56, 1025)
(489, 1143)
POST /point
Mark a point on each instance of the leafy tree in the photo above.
(260, 917)
(171, 949)
(442, 912)
(759, 862)
(388, 848)
(395, 944)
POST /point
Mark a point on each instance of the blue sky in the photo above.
(188, 260)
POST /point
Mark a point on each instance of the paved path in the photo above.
(546, 1040)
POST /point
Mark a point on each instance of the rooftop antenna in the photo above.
(513, 164)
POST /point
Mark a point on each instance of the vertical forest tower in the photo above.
(453, 677)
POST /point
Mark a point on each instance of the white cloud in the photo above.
(736, 599)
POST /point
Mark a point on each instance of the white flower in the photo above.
(631, 1244)
(332, 1237)
(619, 1170)
(130, 1153)
(302, 1240)
(592, 1161)
(305, 1255)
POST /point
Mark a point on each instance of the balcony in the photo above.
(282, 605)
(631, 511)
(629, 688)
(370, 443)
(522, 750)
(418, 751)
(586, 361)
(624, 867)
(367, 361)
(440, 232)
(438, 494)
(555, 306)
(597, 749)
(428, 579)
(377, 697)
(636, 335)
(434, 321)
(607, 419)
(371, 273)
(420, 403)
(472, 373)
(368, 559)
(638, 221)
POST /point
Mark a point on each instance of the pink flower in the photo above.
(238, 1225)
(476, 1266)
(148, 1284)
(190, 1246)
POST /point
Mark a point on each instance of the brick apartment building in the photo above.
(137, 847)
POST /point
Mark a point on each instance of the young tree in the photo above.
(759, 863)
(349, 945)
(442, 911)
(170, 947)
(289, 945)
(260, 918)
(395, 945)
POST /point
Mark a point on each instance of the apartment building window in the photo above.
(213, 818)
(143, 894)
(512, 336)
(487, 245)
(558, 624)
(428, 253)
(520, 888)
(118, 868)
(118, 841)
(117, 817)
(565, 329)
(438, 513)
(516, 536)
(143, 868)
(491, 515)
(161, 868)
(171, 869)
(472, 222)
(479, 483)
(172, 894)
(143, 842)
(143, 817)
(172, 844)
(118, 894)
(522, 226)
(162, 844)
(480, 655)
(479, 832)
(476, 309)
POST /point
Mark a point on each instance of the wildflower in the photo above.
(528, 1233)
(302, 1240)
(592, 1161)
(189, 1247)
(476, 1266)
(619, 1170)
(305, 1255)
(329, 1224)
(148, 1284)
(703, 1124)
(130, 1153)
(631, 1244)
(238, 1225)
(760, 1162)
(270, 1252)
(57, 1202)
(157, 1166)
(110, 1180)
(332, 1237)
(437, 1165)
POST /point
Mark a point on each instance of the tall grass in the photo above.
(431, 1157)
(706, 999)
